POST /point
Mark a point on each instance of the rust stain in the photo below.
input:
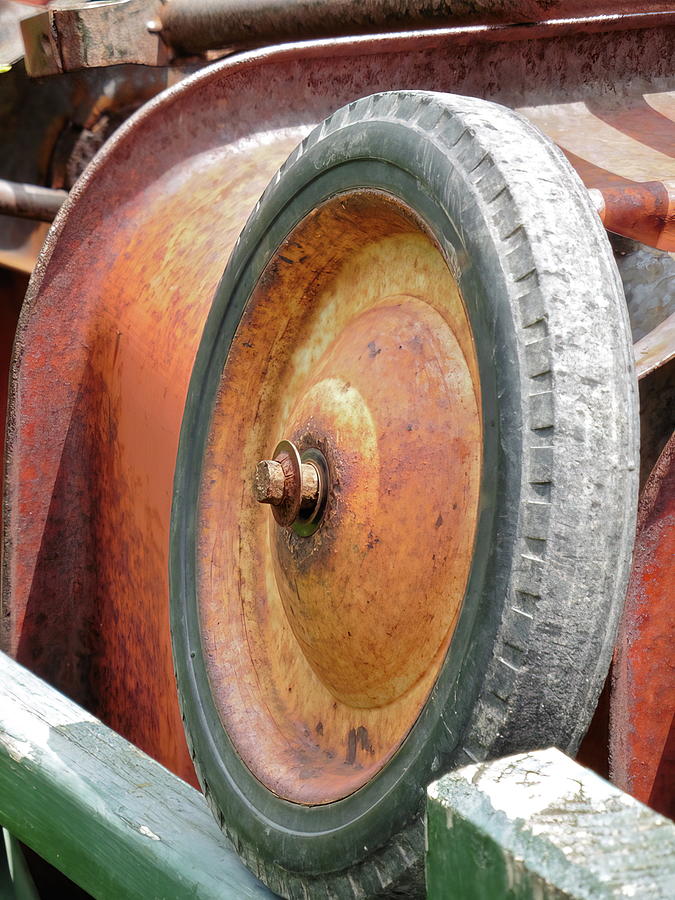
(357, 739)
(98, 436)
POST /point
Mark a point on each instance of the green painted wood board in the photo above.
(538, 826)
(112, 819)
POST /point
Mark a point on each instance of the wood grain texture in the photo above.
(113, 820)
(540, 825)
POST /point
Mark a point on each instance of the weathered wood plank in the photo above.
(539, 825)
(112, 819)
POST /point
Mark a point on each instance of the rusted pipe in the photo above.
(643, 211)
(74, 35)
(29, 201)
(197, 25)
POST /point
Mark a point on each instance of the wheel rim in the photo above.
(321, 649)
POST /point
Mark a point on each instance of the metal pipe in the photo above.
(197, 25)
(30, 201)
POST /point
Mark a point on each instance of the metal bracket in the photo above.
(77, 35)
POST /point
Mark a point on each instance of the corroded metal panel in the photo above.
(114, 314)
(642, 712)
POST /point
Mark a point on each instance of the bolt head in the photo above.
(269, 482)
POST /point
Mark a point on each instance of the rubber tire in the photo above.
(558, 491)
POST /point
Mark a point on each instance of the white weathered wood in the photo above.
(542, 826)
(112, 819)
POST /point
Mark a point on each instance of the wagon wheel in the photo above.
(423, 308)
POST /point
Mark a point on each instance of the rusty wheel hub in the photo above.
(356, 348)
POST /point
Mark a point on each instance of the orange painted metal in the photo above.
(114, 314)
(642, 707)
(644, 212)
(107, 375)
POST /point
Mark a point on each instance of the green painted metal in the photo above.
(99, 809)
(538, 826)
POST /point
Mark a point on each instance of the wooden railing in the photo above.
(120, 825)
(110, 818)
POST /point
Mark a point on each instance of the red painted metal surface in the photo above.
(642, 707)
(116, 307)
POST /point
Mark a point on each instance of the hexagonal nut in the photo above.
(269, 482)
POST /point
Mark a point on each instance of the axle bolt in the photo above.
(294, 487)
(269, 482)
